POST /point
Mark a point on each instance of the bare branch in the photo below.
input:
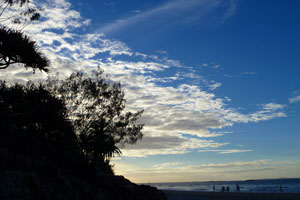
(4, 9)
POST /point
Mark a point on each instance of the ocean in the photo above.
(260, 186)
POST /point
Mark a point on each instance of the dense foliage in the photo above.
(35, 123)
(17, 48)
(80, 116)
(31, 109)
(96, 109)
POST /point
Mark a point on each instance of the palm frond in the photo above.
(15, 47)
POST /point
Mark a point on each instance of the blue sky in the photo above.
(218, 80)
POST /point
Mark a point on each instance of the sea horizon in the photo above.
(216, 180)
(284, 185)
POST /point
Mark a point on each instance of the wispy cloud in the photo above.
(225, 151)
(273, 106)
(187, 10)
(230, 11)
(295, 99)
(248, 73)
(167, 165)
(215, 85)
(233, 164)
(174, 172)
(135, 11)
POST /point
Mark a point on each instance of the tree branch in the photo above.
(7, 63)
(4, 66)
(4, 8)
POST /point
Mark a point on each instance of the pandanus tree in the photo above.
(30, 111)
(15, 46)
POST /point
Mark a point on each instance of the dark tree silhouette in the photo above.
(15, 47)
(34, 123)
(97, 111)
(81, 116)
(32, 111)
(12, 2)
(24, 16)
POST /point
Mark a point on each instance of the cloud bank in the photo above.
(240, 170)
(180, 117)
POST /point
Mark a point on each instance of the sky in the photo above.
(218, 80)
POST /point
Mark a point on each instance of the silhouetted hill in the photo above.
(41, 157)
(24, 176)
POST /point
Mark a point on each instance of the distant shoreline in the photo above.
(193, 195)
(217, 181)
(252, 186)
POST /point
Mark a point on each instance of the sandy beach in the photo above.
(187, 195)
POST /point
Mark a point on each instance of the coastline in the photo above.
(194, 195)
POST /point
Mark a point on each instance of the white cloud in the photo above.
(248, 73)
(177, 117)
(174, 172)
(162, 52)
(268, 111)
(215, 85)
(228, 76)
(273, 106)
(216, 67)
(135, 11)
(166, 165)
(225, 151)
(166, 145)
(233, 164)
(295, 99)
